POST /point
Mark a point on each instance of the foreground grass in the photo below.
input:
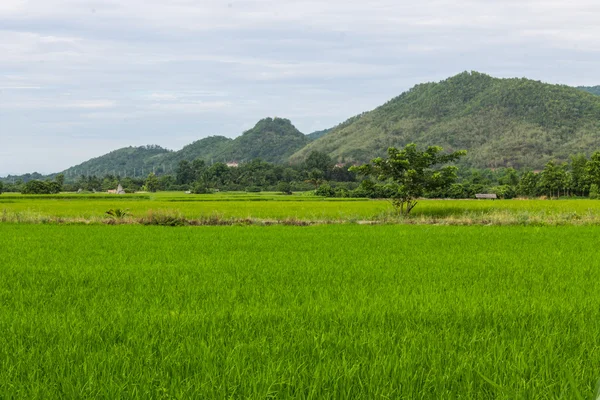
(343, 311)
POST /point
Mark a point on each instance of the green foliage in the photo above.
(319, 161)
(325, 190)
(528, 186)
(1, 187)
(516, 123)
(152, 184)
(592, 169)
(284, 188)
(318, 134)
(590, 89)
(412, 173)
(41, 187)
(552, 179)
(122, 162)
(272, 139)
(594, 191)
(118, 213)
(316, 177)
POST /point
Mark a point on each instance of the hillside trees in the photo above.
(412, 173)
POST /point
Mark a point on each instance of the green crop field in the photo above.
(329, 311)
(300, 206)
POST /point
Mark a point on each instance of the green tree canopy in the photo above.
(412, 172)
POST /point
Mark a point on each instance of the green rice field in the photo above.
(299, 206)
(341, 311)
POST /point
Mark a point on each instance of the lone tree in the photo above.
(411, 173)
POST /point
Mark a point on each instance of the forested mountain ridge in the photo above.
(590, 89)
(128, 160)
(501, 122)
(271, 139)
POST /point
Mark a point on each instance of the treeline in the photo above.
(580, 177)
(199, 177)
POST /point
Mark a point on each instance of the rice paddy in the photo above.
(276, 207)
(405, 309)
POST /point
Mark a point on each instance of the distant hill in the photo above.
(501, 122)
(126, 160)
(318, 134)
(590, 89)
(272, 139)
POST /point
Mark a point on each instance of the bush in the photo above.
(200, 188)
(284, 187)
(505, 192)
(253, 189)
(325, 190)
(594, 192)
(41, 187)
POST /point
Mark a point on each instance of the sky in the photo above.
(80, 78)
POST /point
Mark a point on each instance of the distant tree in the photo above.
(289, 174)
(1, 187)
(528, 185)
(579, 184)
(40, 187)
(284, 187)
(592, 169)
(594, 191)
(552, 179)
(152, 184)
(316, 177)
(412, 173)
(509, 177)
(320, 161)
(60, 180)
(219, 173)
(165, 182)
(185, 174)
(198, 167)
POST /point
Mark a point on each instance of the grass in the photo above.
(302, 207)
(321, 312)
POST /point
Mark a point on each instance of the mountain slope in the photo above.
(122, 161)
(273, 140)
(501, 122)
(590, 89)
(318, 134)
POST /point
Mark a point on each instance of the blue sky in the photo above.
(81, 78)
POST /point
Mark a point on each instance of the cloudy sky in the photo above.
(79, 78)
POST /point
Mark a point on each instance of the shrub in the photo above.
(200, 188)
(40, 187)
(284, 187)
(325, 190)
(253, 189)
(594, 192)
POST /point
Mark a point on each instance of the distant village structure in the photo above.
(233, 164)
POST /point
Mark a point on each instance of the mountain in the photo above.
(590, 89)
(318, 134)
(501, 122)
(209, 148)
(272, 139)
(121, 161)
